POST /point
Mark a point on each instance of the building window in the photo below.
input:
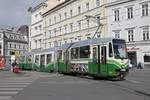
(71, 13)
(79, 9)
(0, 35)
(88, 23)
(146, 33)
(98, 20)
(50, 44)
(130, 12)
(97, 3)
(65, 14)
(87, 6)
(19, 47)
(146, 58)
(60, 43)
(60, 30)
(55, 19)
(130, 35)
(60, 17)
(145, 9)
(10, 46)
(45, 23)
(65, 27)
(50, 32)
(65, 42)
(117, 34)
(15, 46)
(116, 15)
(71, 41)
(49, 21)
(55, 32)
(71, 27)
(30, 45)
(79, 25)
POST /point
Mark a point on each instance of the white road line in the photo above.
(17, 89)
(14, 92)
(5, 97)
(17, 86)
(133, 81)
(14, 83)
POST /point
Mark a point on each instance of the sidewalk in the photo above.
(147, 66)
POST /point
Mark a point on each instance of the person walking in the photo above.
(140, 66)
(13, 65)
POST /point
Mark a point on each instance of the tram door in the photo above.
(103, 60)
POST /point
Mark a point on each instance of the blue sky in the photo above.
(14, 12)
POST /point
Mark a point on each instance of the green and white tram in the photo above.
(99, 57)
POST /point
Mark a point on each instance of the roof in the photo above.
(89, 42)
(73, 45)
(63, 4)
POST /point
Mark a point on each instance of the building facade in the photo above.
(66, 21)
(130, 20)
(36, 27)
(12, 43)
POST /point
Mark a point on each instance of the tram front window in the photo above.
(119, 49)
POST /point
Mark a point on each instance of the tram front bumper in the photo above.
(123, 70)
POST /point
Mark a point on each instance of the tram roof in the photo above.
(36, 51)
(86, 42)
(72, 45)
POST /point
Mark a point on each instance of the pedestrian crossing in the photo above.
(11, 87)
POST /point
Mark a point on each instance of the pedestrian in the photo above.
(13, 65)
(140, 66)
(130, 64)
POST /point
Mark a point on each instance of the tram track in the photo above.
(128, 89)
(125, 85)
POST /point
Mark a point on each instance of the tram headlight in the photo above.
(123, 70)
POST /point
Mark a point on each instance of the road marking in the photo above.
(19, 86)
(133, 81)
(5, 97)
(18, 89)
(15, 92)
(14, 83)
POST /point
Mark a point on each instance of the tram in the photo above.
(98, 57)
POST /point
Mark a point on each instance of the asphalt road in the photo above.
(45, 86)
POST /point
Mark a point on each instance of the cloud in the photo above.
(14, 12)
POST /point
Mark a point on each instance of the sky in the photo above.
(14, 12)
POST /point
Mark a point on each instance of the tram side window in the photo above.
(85, 52)
(42, 59)
(110, 50)
(37, 59)
(65, 55)
(49, 58)
(59, 54)
(75, 53)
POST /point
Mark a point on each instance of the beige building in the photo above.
(56, 22)
(73, 20)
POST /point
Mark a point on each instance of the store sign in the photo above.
(133, 49)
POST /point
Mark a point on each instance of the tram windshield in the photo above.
(119, 49)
